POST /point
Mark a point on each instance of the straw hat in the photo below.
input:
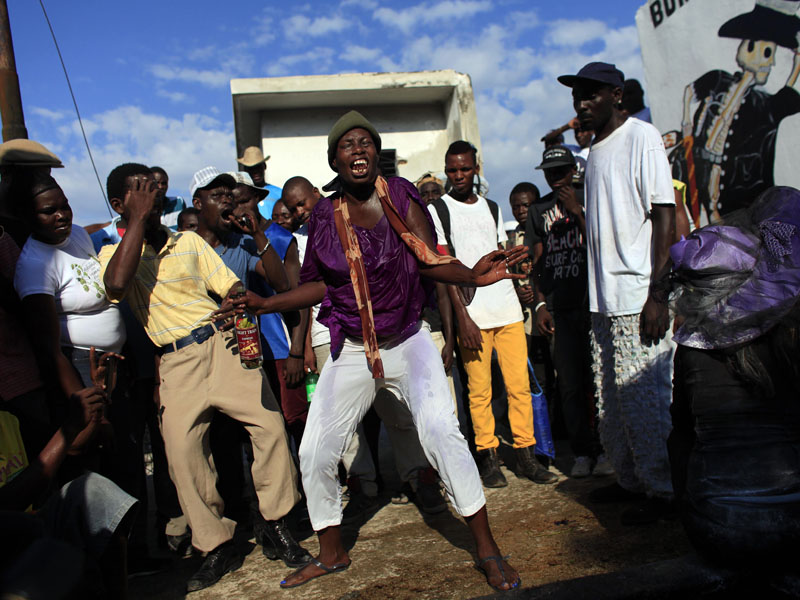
(252, 156)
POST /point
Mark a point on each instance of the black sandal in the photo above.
(337, 568)
(498, 560)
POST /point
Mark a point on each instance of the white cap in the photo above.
(206, 176)
(242, 178)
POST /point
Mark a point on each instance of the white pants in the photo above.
(409, 457)
(345, 391)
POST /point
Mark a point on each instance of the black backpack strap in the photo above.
(495, 212)
(444, 217)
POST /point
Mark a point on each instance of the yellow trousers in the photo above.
(510, 344)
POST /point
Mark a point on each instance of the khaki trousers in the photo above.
(195, 381)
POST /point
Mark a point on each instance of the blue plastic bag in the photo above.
(541, 419)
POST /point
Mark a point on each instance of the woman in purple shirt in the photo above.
(370, 256)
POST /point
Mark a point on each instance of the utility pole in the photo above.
(10, 98)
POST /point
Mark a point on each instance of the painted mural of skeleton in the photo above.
(728, 145)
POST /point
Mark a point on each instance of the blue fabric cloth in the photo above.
(273, 330)
(86, 512)
(106, 236)
(267, 204)
(171, 208)
(240, 255)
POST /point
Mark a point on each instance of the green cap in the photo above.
(351, 120)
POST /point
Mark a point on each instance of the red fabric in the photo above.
(293, 401)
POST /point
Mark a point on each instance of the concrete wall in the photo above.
(297, 140)
(418, 115)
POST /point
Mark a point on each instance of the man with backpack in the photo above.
(468, 226)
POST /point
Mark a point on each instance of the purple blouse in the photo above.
(397, 290)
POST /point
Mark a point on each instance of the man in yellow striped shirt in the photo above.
(167, 278)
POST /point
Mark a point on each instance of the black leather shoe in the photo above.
(180, 544)
(279, 543)
(528, 466)
(223, 559)
(489, 468)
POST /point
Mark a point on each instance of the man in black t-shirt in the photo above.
(555, 231)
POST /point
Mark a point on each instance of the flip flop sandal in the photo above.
(498, 560)
(337, 568)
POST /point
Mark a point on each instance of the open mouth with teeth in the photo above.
(359, 167)
(227, 215)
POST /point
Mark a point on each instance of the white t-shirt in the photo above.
(626, 174)
(474, 234)
(319, 333)
(70, 272)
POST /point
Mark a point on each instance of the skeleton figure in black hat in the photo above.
(729, 141)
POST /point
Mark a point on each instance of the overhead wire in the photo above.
(77, 112)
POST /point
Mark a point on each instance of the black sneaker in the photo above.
(489, 469)
(223, 559)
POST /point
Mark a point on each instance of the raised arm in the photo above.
(122, 267)
(270, 267)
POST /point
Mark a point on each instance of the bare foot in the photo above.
(316, 568)
(499, 574)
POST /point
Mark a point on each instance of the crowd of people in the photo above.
(369, 300)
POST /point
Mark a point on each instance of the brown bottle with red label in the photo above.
(248, 338)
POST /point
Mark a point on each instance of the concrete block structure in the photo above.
(418, 115)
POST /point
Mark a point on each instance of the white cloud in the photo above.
(362, 4)
(407, 19)
(361, 54)
(299, 26)
(174, 96)
(206, 77)
(129, 134)
(263, 32)
(319, 60)
(46, 113)
(568, 32)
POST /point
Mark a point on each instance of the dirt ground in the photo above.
(551, 532)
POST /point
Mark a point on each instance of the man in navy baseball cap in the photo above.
(630, 224)
(597, 97)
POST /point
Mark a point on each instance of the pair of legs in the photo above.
(345, 391)
(357, 458)
(634, 388)
(196, 381)
(511, 346)
(573, 362)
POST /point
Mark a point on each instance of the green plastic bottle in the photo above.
(311, 385)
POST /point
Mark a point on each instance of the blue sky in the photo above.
(152, 78)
